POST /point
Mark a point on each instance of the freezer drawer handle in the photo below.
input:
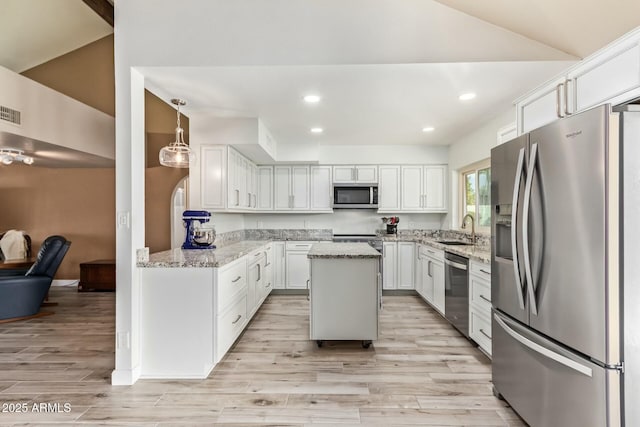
(584, 370)
(525, 229)
(514, 231)
(456, 265)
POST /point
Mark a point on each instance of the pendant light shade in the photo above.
(177, 154)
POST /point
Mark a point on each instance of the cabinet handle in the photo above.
(566, 98)
(308, 283)
(236, 279)
(259, 273)
(267, 264)
(429, 269)
(485, 298)
(237, 197)
(249, 200)
(559, 100)
(237, 319)
(431, 252)
(485, 271)
(258, 254)
(485, 334)
(268, 285)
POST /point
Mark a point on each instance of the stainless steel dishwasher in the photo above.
(456, 291)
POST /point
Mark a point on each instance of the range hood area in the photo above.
(56, 130)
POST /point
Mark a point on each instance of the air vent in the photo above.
(9, 115)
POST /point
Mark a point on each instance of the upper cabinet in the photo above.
(351, 174)
(321, 188)
(389, 188)
(423, 188)
(265, 188)
(611, 75)
(291, 188)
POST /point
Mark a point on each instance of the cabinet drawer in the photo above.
(298, 246)
(231, 282)
(480, 330)
(480, 294)
(230, 325)
(425, 250)
(481, 269)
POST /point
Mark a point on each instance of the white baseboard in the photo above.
(125, 376)
(73, 282)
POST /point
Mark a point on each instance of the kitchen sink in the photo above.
(454, 243)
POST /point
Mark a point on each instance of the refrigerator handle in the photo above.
(569, 363)
(514, 228)
(525, 229)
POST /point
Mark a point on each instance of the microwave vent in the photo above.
(9, 115)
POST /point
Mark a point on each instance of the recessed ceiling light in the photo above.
(316, 130)
(467, 96)
(428, 129)
(311, 99)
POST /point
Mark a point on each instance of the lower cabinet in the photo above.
(431, 280)
(406, 267)
(297, 265)
(480, 304)
(389, 265)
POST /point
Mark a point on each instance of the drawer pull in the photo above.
(258, 254)
(236, 279)
(485, 271)
(485, 298)
(484, 333)
(240, 317)
(431, 252)
(268, 285)
(267, 264)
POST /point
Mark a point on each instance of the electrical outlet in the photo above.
(122, 219)
(123, 340)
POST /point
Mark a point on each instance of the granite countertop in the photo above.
(343, 250)
(473, 252)
(203, 257)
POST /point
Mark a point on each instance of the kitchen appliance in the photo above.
(565, 279)
(355, 196)
(198, 235)
(392, 224)
(456, 291)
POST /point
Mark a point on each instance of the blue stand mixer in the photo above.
(197, 236)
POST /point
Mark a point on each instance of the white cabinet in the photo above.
(254, 282)
(611, 75)
(423, 188)
(389, 265)
(265, 188)
(291, 191)
(279, 260)
(389, 188)
(212, 176)
(268, 272)
(437, 272)
(480, 304)
(432, 275)
(350, 174)
(242, 177)
(406, 260)
(297, 265)
(321, 188)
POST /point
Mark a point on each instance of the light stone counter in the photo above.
(203, 257)
(473, 252)
(343, 250)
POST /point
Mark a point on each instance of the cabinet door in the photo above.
(321, 188)
(344, 174)
(267, 280)
(279, 273)
(243, 179)
(300, 187)
(389, 188)
(389, 265)
(541, 107)
(435, 188)
(233, 191)
(406, 255)
(282, 188)
(253, 287)
(412, 196)
(367, 174)
(212, 177)
(606, 77)
(427, 279)
(297, 266)
(265, 188)
(437, 271)
(252, 187)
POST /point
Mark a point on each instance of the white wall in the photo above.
(469, 149)
(345, 221)
(224, 222)
(383, 154)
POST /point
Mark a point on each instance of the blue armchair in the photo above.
(21, 296)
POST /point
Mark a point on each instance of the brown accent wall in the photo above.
(76, 203)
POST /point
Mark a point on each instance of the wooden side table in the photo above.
(98, 275)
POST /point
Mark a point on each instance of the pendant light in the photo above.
(177, 154)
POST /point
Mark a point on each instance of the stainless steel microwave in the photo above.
(355, 196)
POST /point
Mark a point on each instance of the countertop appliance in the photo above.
(456, 291)
(562, 292)
(198, 236)
(355, 196)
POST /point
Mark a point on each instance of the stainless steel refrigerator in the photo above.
(565, 287)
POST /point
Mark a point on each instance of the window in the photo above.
(476, 194)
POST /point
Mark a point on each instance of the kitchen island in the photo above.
(345, 292)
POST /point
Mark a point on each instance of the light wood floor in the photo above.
(420, 372)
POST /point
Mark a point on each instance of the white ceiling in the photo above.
(35, 31)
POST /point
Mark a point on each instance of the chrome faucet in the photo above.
(473, 226)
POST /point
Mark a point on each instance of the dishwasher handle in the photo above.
(456, 265)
